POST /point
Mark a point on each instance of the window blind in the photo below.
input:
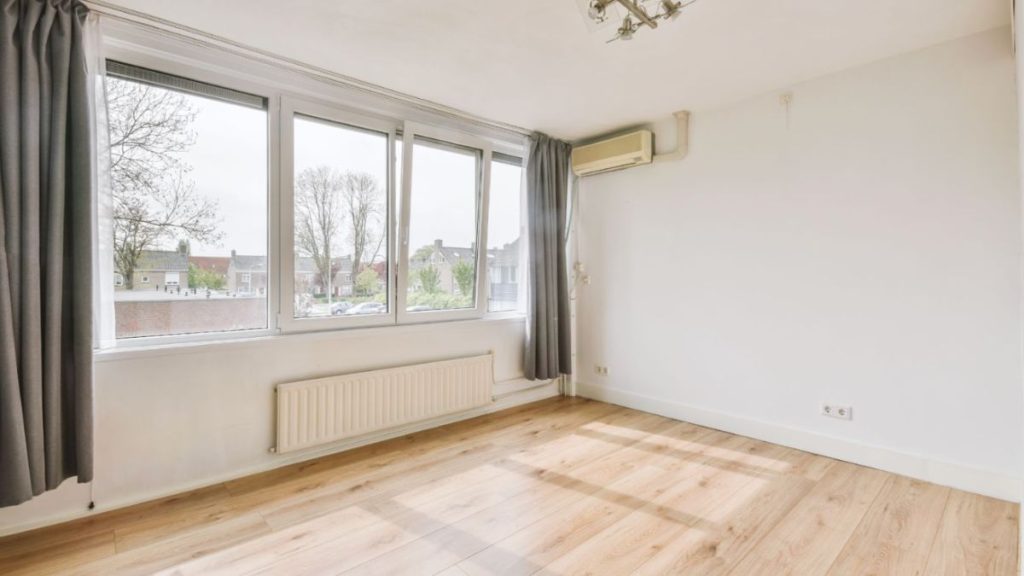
(152, 77)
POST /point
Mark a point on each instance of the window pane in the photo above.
(341, 244)
(503, 233)
(442, 227)
(189, 186)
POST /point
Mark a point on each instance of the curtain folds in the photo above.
(548, 353)
(47, 149)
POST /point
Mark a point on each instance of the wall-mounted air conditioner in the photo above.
(624, 151)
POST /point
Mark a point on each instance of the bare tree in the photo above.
(319, 218)
(153, 199)
(364, 210)
(328, 203)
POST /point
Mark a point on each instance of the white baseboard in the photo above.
(517, 386)
(515, 393)
(962, 477)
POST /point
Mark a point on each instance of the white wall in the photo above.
(863, 248)
(179, 418)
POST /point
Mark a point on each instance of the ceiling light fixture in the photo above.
(638, 9)
(626, 31)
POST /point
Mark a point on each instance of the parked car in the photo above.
(339, 308)
(366, 308)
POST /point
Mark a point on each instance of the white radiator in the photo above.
(314, 412)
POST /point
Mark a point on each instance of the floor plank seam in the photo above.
(853, 532)
(496, 458)
(938, 526)
(554, 511)
(561, 507)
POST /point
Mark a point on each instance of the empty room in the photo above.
(469, 287)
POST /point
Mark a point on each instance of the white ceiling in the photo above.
(536, 63)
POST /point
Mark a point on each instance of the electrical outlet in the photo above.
(837, 411)
(602, 370)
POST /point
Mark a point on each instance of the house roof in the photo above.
(454, 255)
(507, 255)
(249, 263)
(303, 264)
(344, 264)
(162, 261)
(216, 264)
(306, 264)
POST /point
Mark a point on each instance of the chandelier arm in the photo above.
(639, 13)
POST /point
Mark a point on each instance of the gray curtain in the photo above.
(547, 324)
(46, 184)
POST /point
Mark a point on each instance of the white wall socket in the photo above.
(837, 411)
(602, 370)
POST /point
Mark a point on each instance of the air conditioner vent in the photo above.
(624, 151)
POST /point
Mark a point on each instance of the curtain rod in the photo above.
(212, 40)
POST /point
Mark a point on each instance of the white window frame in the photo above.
(138, 45)
(290, 107)
(409, 133)
(520, 311)
(171, 63)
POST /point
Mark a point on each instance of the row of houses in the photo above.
(239, 273)
(502, 264)
(169, 269)
(248, 275)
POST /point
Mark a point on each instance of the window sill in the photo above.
(230, 342)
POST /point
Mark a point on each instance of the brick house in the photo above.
(216, 265)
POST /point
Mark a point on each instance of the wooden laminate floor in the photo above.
(557, 487)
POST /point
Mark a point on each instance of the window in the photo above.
(188, 185)
(504, 230)
(340, 229)
(376, 220)
(443, 227)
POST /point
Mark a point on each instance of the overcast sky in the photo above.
(229, 164)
